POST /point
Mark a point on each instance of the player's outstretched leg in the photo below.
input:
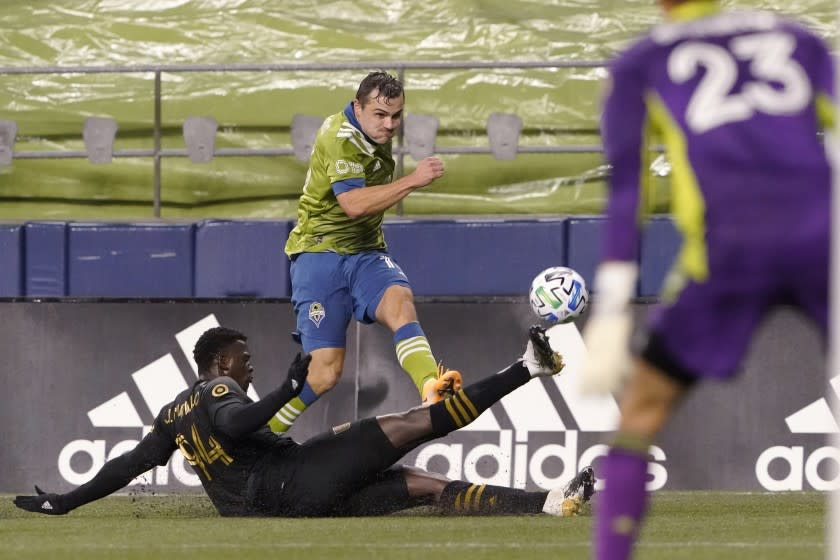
(404, 487)
(409, 429)
(433, 381)
(374, 444)
(463, 498)
(573, 495)
(445, 383)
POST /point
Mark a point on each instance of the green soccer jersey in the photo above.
(344, 155)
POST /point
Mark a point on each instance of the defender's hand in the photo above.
(43, 502)
(297, 373)
(608, 360)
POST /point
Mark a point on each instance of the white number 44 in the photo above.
(713, 104)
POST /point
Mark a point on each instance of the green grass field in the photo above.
(698, 525)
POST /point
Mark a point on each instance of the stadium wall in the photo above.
(236, 259)
(85, 380)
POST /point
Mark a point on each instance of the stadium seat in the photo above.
(130, 260)
(45, 258)
(8, 135)
(98, 134)
(503, 133)
(11, 251)
(475, 257)
(304, 130)
(242, 258)
(200, 138)
(420, 133)
(231, 258)
(660, 245)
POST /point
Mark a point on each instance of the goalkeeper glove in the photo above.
(42, 502)
(607, 332)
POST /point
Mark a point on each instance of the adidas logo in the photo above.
(531, 409)
(797, 464)
(528, 453)
(158, 383)
(816, 418)
(46, 505)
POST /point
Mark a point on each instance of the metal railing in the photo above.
(157, 152)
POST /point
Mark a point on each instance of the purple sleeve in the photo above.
(622, 132)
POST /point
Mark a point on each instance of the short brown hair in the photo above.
(389, 87)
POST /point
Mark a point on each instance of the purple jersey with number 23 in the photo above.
(739, 100)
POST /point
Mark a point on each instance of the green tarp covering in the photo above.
(255, 109)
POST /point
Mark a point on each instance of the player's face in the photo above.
(239, 364)
(380, 117)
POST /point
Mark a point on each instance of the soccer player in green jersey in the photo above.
(340, 266)
(247, 470)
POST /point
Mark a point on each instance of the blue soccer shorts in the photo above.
(329, 289)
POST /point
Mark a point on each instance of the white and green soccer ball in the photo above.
(558, 295)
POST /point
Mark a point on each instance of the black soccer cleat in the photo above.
(540, 359)
(582, 485)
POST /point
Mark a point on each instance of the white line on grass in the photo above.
(444, 545)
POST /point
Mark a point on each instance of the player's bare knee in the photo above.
(418, 418)
(407, 427)
(323, 375)
(323, 379)
(423, 483)
(396, 307)
(325, 369)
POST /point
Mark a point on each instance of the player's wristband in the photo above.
(614, 286)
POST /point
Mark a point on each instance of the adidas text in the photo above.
(92, 454)
(518, 463)
(799, 468)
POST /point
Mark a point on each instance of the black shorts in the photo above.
(342, 472)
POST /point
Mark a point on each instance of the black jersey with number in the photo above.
(194, 421)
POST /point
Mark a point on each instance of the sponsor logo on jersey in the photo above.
(343, 167)
(220, 391)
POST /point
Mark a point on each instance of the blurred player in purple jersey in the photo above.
(739, 99)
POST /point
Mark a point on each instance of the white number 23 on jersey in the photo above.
(713, 103)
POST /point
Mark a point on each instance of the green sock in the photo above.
(286, 416)
(415, 354)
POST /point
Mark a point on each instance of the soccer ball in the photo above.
(558, 295)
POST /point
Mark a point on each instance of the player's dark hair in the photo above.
(212, 342)
(389, 87)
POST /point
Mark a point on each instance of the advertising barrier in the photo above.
(85, 379)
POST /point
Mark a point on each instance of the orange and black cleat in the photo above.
(445, 384)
